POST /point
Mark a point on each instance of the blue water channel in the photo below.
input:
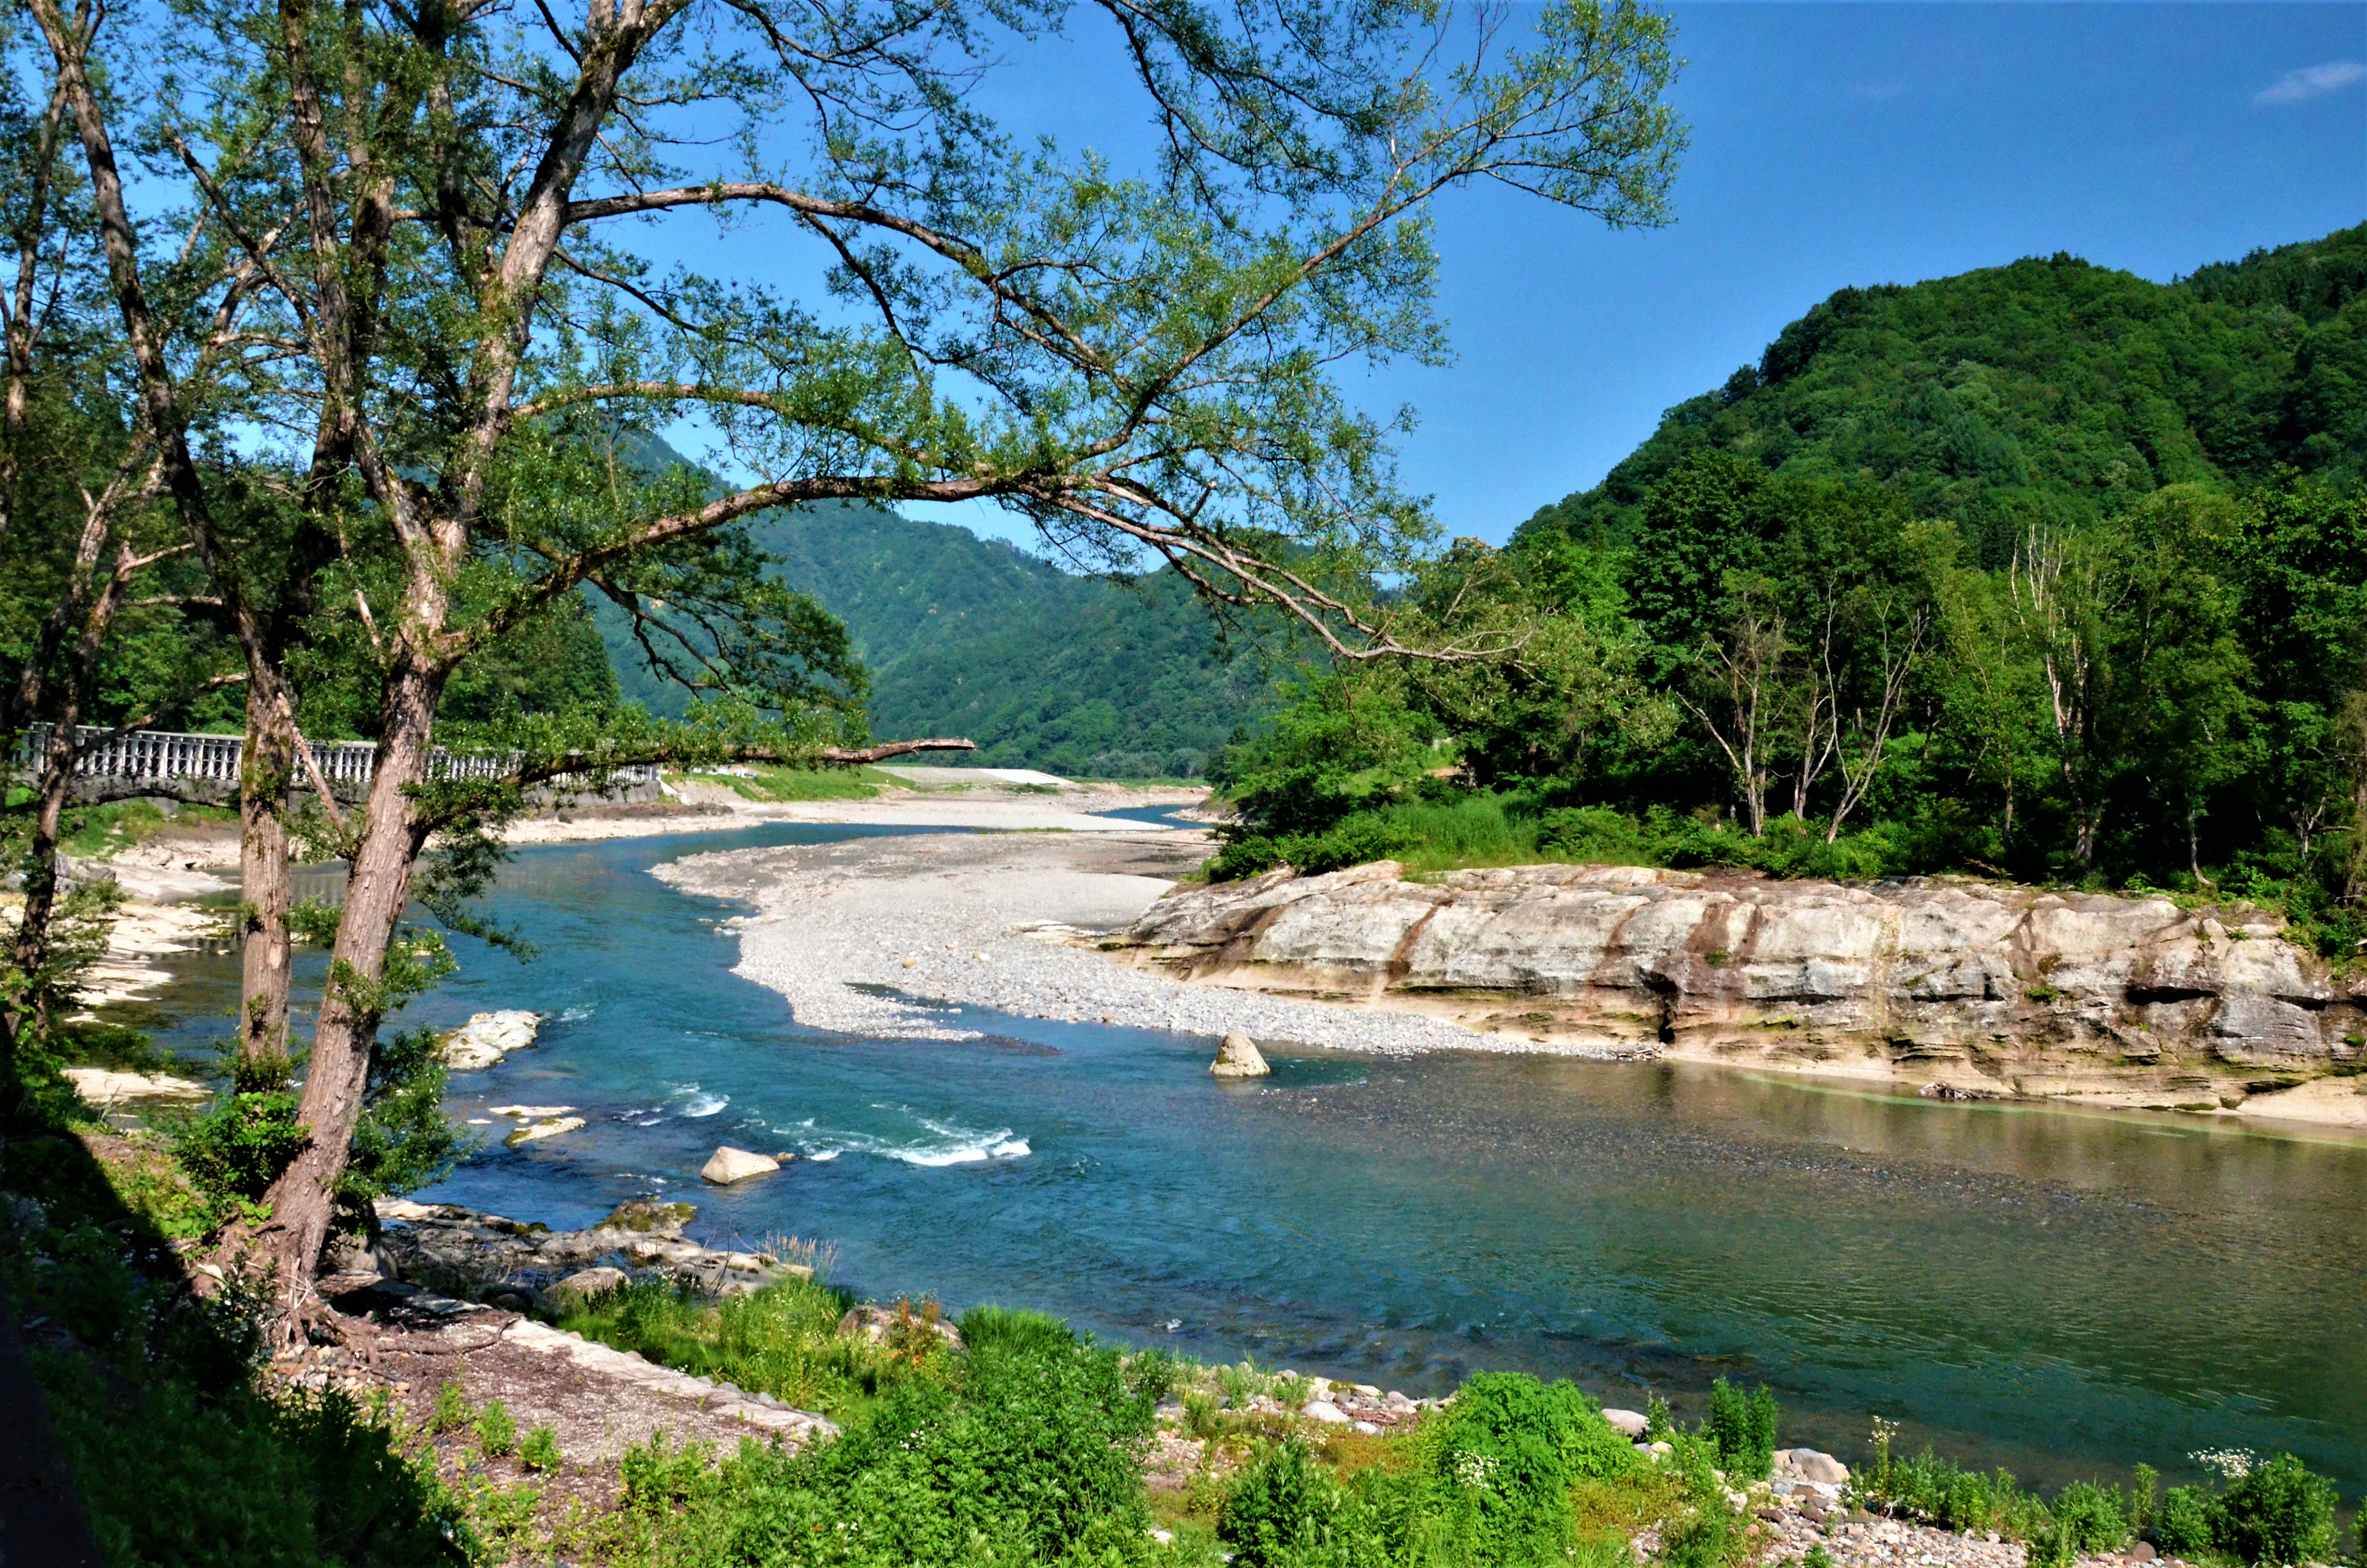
(2057, 1292)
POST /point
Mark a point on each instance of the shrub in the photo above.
(1031, 1442)
(452, 1411)
(2186, 1521)
(1155, 1373)
(1282, 1504)
(1504, 1455)
(540, 1450)
(2278, 1512)
(237, 1149)
(496, 1433)
(1699, 1539)
(1743, 1428)
(2092, 1518)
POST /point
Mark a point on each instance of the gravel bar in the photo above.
(880, 936)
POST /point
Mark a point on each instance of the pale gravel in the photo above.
(960, 920)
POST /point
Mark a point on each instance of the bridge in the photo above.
(203, 769)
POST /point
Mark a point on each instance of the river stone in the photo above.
(585, 1284)
(534, 1131)
(1809, 1464)
(1627, 1422)
(729, 1164)
(1323, 1410)
(1238, 1057)
(486, 1037)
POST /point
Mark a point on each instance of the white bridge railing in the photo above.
(159, 754)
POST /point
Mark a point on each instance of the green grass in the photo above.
(99, 833)
(781, 1340)
(771, 783)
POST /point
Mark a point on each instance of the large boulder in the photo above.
(1811, 1464)
(1628, 1422)
(1238, 1057)
(486, 1037)
(728, 1164)
(585, 1284)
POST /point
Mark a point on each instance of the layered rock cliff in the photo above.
(1952, 987)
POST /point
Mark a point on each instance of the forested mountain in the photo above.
(970, 636)
(2043, 571)
(2047, 392)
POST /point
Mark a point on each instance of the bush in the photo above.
(496, 1433)
(2093, 1519)
(2278, 1512)
(237, 1149)
(1504, 1454)
(452, 1410)
(1031, 1445)
(1281, 1508)
(2186, 1521)
(1743, 1428)
(540, 1450)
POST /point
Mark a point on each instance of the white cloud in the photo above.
(2312, 81)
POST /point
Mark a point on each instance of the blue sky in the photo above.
(1837, 145)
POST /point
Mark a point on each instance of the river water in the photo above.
(2056, 1292)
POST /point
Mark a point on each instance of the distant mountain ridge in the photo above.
(2047, 390)
(971, 636)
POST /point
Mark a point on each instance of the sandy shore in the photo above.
(897, 937)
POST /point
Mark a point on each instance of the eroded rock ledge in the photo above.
(1955, 987)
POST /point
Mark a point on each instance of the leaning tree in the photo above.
(441, 301)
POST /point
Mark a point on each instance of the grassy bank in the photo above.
(773, 783)
(1006, 1438)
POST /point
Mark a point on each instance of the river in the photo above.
(2061, 1293)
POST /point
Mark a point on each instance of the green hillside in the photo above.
(970, 636)
(2048, 391)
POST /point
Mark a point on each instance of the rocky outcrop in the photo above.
(486, 1037)
(487, 1258)
(1953, 987)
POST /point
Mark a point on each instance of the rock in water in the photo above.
(552, 1128)
(729, 1164)
(1628, 1422)
(1238, 1057)
(486, 1037)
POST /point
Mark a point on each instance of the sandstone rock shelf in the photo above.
(1950, 987)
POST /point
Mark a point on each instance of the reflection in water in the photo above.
(2052, 1292)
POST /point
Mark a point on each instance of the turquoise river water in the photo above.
(2056, 1292)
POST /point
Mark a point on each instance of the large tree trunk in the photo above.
(266, 768)
(302, 1201)
(31, 950)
